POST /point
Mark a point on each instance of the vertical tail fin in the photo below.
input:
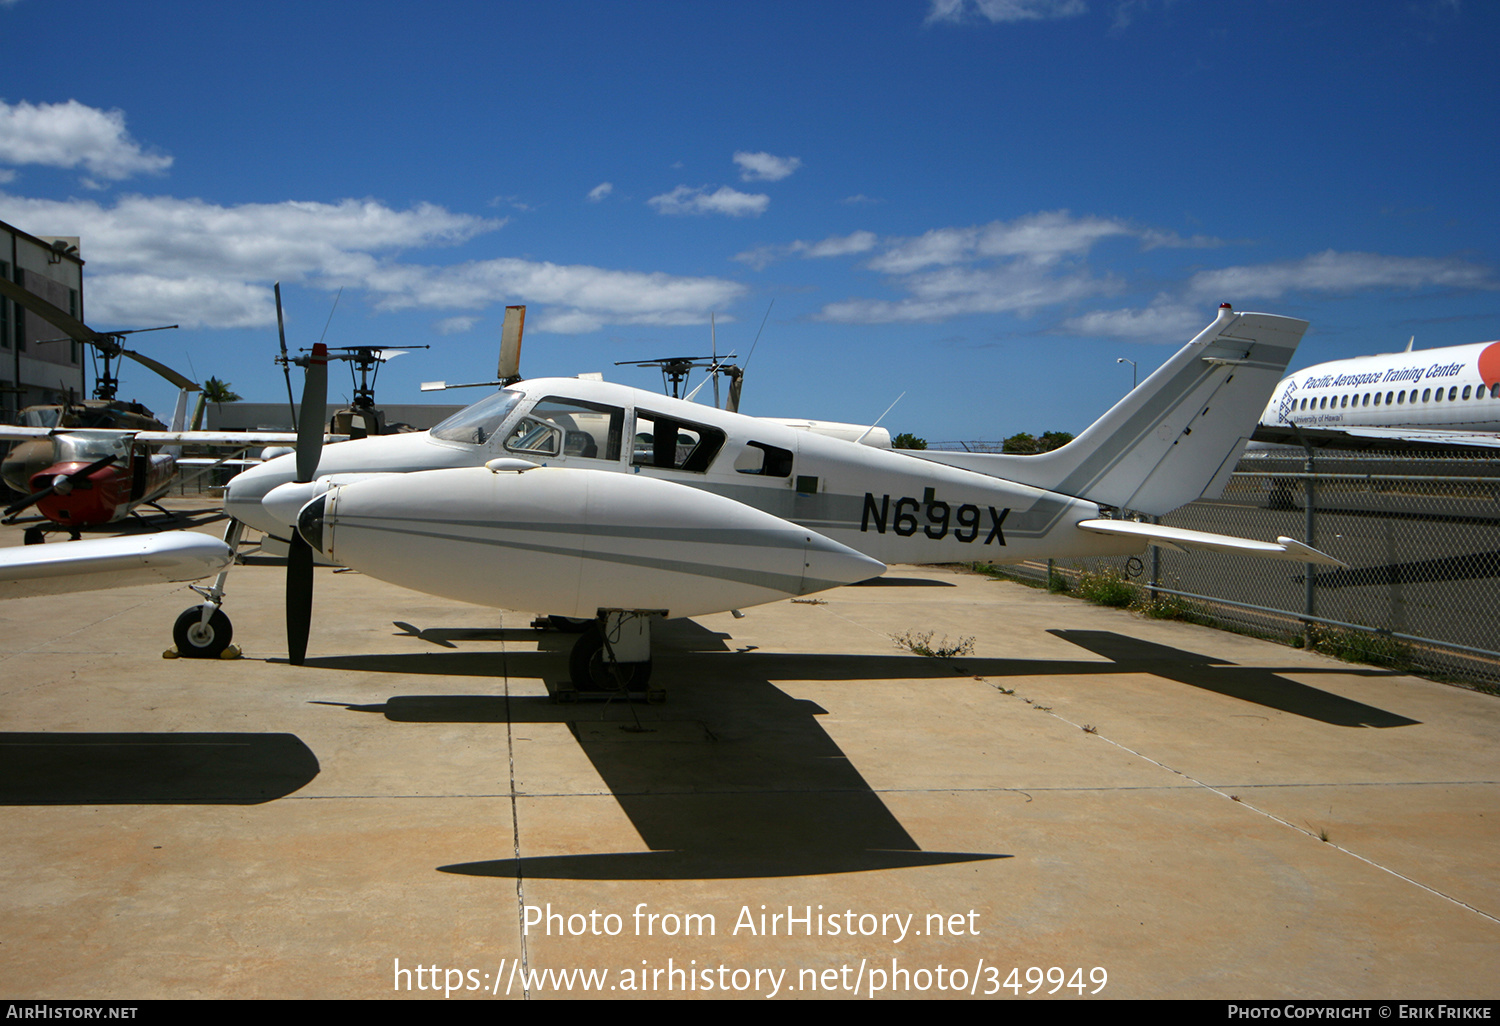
(1171, 439)
(179, 422)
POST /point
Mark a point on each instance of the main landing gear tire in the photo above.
(591, 669)
(197, 640)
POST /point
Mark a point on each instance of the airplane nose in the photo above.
(829, 564)
(284, 503)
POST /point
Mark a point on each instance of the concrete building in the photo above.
(50, 268)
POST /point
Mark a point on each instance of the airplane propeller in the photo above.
(286, 366)
(62, 484)
(299, 560)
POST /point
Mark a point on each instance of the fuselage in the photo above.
(1456, 388)
(105, 495)
(884, 504)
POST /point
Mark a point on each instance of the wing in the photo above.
(63, 567)
(224, 439)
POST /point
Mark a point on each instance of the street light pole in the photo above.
(1132, 371)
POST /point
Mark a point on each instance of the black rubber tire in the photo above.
(206, 644)
(590, 668)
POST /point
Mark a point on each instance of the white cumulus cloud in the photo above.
(1331, 271)
(204, 265)
(763, 167)
(1004, 10)
(724, 200)
(72, 135)
(600, 191)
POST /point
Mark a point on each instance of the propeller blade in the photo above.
(299, 597)
(299, 558)
(314, 401)
(36, 497)
(286, 366)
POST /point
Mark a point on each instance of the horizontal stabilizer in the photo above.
(1180, 539)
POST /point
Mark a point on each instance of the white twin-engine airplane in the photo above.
(612, 505)
(1447, 397)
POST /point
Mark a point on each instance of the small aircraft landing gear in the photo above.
(199, 640)
(613, 654)
(204, 631)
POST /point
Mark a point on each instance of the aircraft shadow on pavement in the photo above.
(734, 777)
(1257, 684)
(151, 769)
(731, 778)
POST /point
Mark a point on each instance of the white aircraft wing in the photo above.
(13, 433)
(216, 439)
(225, 439)
(1180, 539)
(171, 556)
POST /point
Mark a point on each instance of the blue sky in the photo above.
(981, 203)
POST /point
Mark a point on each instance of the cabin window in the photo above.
(1495, 390)
(1466, 391)
(766, 460)
(1401, 396)
(1453, 393)
(558, 426)
(1426, 394)
(673, 444)
(1367, 399)
(1304, 404)
(1345, 403)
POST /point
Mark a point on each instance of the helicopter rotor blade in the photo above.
(180, 380)
(510, 343)
(74, 328)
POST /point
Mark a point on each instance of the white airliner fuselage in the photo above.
(1402, 395)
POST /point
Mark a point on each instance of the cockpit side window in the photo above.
(557, 426)
(674, 444)
(766, 460)
(477, 424)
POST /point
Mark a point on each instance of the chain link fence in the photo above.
(1421, 535)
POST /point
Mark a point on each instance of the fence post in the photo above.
(1309, 538)
(1155, 564)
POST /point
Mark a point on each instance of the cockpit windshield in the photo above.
(477, 424)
